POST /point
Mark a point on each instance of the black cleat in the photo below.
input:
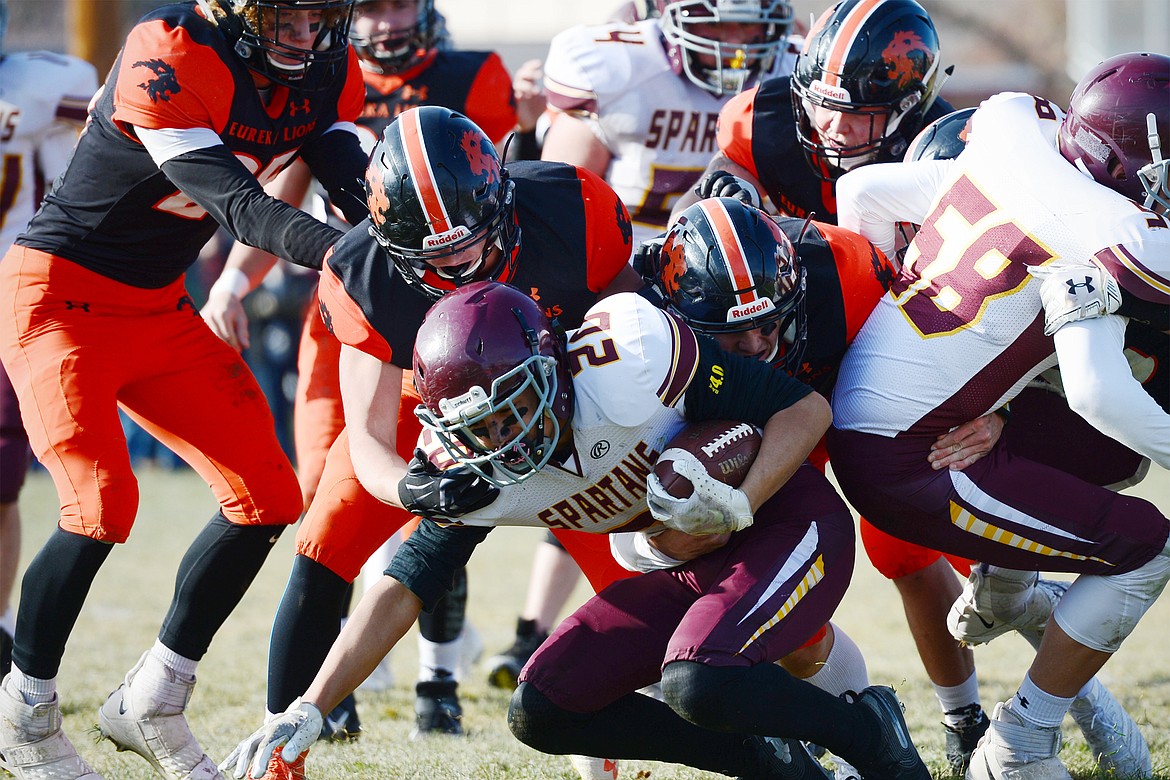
(963, 738)
(504, 669)
(784, 759)
(436, 707)
(895, 757)
(343, 723)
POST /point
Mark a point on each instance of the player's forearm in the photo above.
(382, 617)
(378, 468)
(789, 437)
(1101, 388)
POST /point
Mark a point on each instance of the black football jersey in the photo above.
(114, 211)
(573, 242)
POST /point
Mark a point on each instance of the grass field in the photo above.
(132, 592)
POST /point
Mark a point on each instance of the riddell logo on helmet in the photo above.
(749, 310)
(446, 238)
(819, 87)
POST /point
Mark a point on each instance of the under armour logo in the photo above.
(1072, 285)
(72, 305)
(294, 109)
(186, 301)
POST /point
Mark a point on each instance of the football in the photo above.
(726, 449)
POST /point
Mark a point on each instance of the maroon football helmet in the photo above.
(1117, 117)
(484, 349)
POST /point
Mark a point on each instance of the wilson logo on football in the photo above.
(819, 87)
(748, 310)
(446, 238)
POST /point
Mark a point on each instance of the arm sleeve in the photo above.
(427, 561)
(1101, 388)
(871, 200)
(733, 387)
(216, 180)
(339, 164)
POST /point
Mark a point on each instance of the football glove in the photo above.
(1075, 292)
(443, 494)
(297, 728)
(713, 507)
(721, 184)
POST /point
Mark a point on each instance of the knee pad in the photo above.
(1101, 611)
(698, 692)
(534, 719)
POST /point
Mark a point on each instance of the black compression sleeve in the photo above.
(218, 182)
(339, 164)
(427, 562)
(733, 387)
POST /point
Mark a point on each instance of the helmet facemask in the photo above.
(718, 67)
(261, 33)
(395, 51)
(417, 265)
(1155, 176)
(527, 394)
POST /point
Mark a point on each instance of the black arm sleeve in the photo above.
(733, 387)
(339, 164)
(426, 562)
(218, 182)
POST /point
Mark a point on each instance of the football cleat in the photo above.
(962, 739)
(1013, 750)
(343, 723)
(504, 669)
(990, 606)
(779, 758)
(595, 768)
(1114, 739)
(32, 744)
(896, 758)
(436, 707)
(160, 733)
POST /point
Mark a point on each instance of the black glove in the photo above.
(721, 184)
(444, 494)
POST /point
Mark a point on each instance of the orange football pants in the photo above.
(78, 345)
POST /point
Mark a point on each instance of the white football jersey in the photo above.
(962, 330)
(43, 100)
(632, 363)
(659, 127)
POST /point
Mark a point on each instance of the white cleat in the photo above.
(161, 734)
(32, 744)
(990, 606)
(1114, 739)
(1012, 750)
(595, 768)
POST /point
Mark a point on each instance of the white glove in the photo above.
(1075, 292)
(713, 507)
(297, 728)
